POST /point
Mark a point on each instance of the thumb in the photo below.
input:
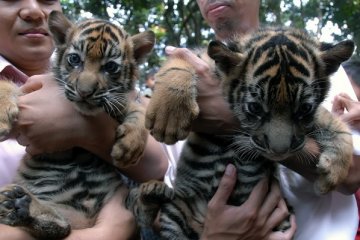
(170, 50)
(31, 150)
(226, 186)
(31, 85)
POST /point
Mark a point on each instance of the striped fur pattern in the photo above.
(274, 80)
(96, 66)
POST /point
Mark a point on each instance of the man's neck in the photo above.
(32, 72)
(244, 28)
(31, 68)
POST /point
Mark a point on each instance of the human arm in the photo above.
(114, 222)
(254, 219)
(48, 122)
(13, 233)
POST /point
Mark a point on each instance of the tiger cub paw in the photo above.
(145, 201)
(9, 110)
(169, 119)
(14, 206)
(155, 192)
(331, 173)
(129, 146)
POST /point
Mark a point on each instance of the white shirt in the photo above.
(333, 216)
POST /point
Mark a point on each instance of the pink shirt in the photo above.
(10, 151)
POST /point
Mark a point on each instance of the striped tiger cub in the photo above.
(274, 80)
(96, 67)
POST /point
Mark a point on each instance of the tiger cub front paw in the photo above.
(155, 191)
(9, 110)
(145, 201)
(14, 206)
(172, 108)
(333, 168)
(129, 146)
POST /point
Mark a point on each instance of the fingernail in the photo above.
(169, 49)
(230, 170)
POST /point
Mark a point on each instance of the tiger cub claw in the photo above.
(171, 122)
(155, 191)
(129, 146)
(330, 174)
(145, 201)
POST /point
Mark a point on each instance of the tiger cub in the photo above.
(96, 67)
(274, 81)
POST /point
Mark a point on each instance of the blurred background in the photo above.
(179, 23)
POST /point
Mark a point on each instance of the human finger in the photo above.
(353, 114)
(271, 201)
(187, 55)
(257, 195)
(225, 187)
(22, 140)
(287, 234)
(278, 215)
(30, 149)
(338, 106)
(31, 85)
(346, 101)
(345, 95)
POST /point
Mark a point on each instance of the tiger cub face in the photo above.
(96, 62)
(274, 81)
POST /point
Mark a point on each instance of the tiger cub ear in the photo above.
(334, 55)
(225, 58)
(59, 26)
(143, 44)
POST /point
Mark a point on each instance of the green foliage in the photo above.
(179, 23)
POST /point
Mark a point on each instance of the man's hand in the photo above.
(344, 102)
(48, 122)
(254, 219)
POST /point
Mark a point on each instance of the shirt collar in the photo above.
(16, 75)
(3, 63)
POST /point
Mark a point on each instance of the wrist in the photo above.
(99, 135)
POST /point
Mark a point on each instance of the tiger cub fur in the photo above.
(96, 67)
(274, 81)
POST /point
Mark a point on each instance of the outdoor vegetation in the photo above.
(179, 23)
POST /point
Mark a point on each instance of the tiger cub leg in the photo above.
(177, 220)
(173, 105)
(19, 208)
(145, 201)
(9, 110)
(336, 149)
(131, 137)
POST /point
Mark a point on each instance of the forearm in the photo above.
(114, 222)
(153, 164)
(12, 233)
